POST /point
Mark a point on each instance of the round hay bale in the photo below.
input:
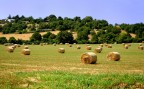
(70, 45)
(26, 51)
(109, 46)
(140, 44)
(129, 44)
(114, 56)
(18, 45)
(88, 47)
(126, 46)
(98, 50)
(101, 45)
(61, 43)
(141, 47)
(61, 50)
(78, 47)
(41, 44)
(26, 47)
(54, 44)
(89, 58)
(123, 44)
(66, 43)
(10, 49)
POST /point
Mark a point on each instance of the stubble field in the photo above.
(45, 68)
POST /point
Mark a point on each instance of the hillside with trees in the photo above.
(99, 30)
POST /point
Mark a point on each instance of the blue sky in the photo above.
(114, 11)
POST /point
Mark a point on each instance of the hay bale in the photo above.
(61, 50)
(123, 44)
(66, 43)
(10, 49)
(54, 44)
(109, 46)
(140, 44)
(70, 45)
(101, 45)
(114, 56)
(26, 47)
(78, 47)
(89, 58)
(41, 44)
(140, 47)
(129, 44)
(26, 51)
(88, 47)
(98, 50)
(18, 45)
(126, 46)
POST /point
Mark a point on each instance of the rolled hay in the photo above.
(78, 47)
(41, 44)
(26, 47)
(10, 49)
(70, 45)
(89, 58)
(66, 43)
(106, 44)
(18, 45)
(140, 47)
(61, 50)
(26, 51)
(140, 44)
(123, 44)
(61, 43)
(114, 56)
(109, 46)
(126, 46)
(101, 45)
(54, 44)
(98, 50)
(88, 47)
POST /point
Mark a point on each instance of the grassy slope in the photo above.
(46, 68)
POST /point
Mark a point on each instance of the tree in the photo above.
(3, 40)
(94, 39)
(82, 34)
(36, 37)
(12, 40)
(64, 37)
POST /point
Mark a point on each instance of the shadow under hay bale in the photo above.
(89, 58)
(88, 47)
(61, 50)
(114, 56)
(26, 51)
(98, 50)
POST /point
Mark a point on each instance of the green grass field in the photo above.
(45, 68)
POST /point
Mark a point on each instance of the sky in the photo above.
(114, 11)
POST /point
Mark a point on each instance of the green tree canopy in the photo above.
(64, 37)
(36, 37)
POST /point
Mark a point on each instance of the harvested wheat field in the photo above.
(46, 68)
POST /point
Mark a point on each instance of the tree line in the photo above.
(100, 31)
